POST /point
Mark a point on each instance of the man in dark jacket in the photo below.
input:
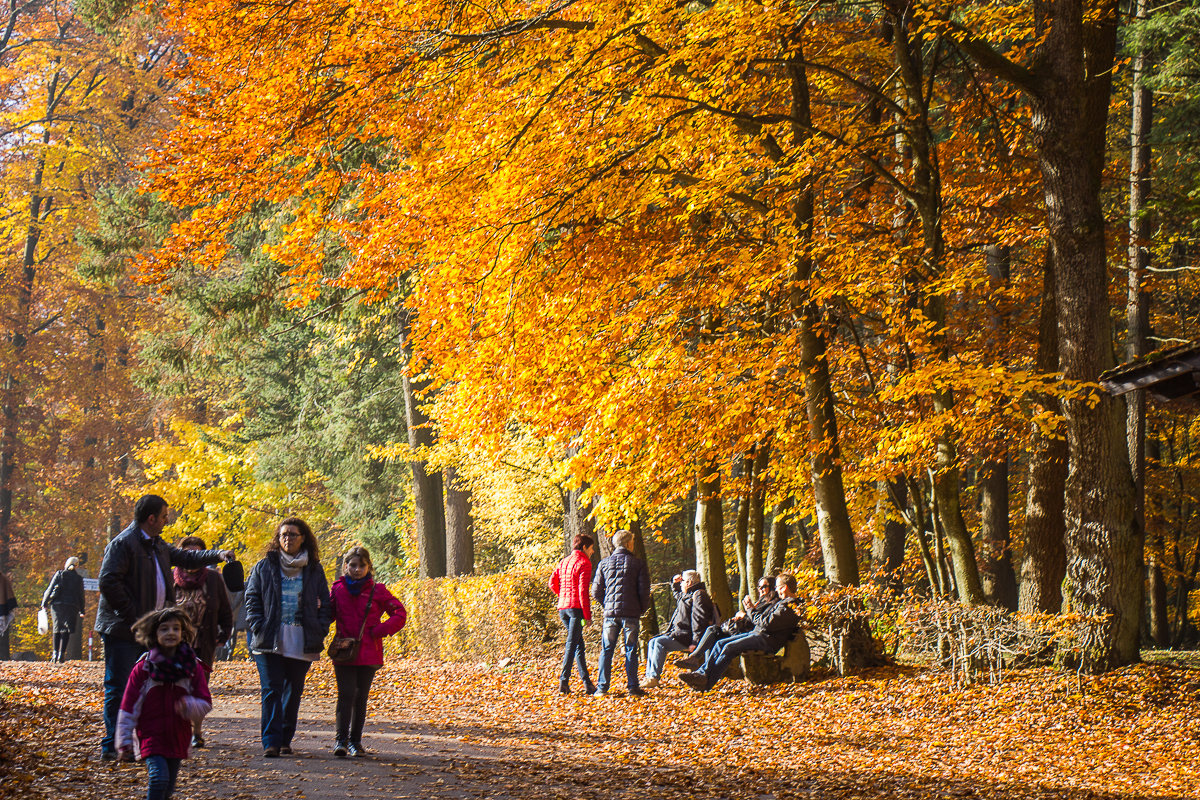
(694, 613)
(135, 578)
(774, 626)
(622, 586)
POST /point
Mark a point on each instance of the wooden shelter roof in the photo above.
(1169, 374)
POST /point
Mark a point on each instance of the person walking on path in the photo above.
(774, 625)
(359, 603)
(288, 614)
(738, 623)
(135, 578)
(622, 586)
(570, 582)
(64, 596)
(166, 695)
(694, 614)
(8, 612)
(201, 594)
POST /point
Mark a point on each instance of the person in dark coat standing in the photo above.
(622, 586)
(694, 614)
(64, 596)
(202, 596)
(135, 579)
(288, 613)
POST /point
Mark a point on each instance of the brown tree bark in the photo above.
(757, 516)
(741, 534)
(1044, 557)
(426, 485)
(460, 528)
(710, 538)
(1137, 315)
(825, 457)
(780, 533)
(887, 549)
(649, 627)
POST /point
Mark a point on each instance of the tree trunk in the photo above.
(1104, 545)
(1137, 314)
(741, 534)
(1044, 557)
(887, 549)
(758, 490)
(710, 539)
(578, 520)
(999, 578)
(778, 547)
(825, 457)
(649, 627)
(460, 528)
(426, 485)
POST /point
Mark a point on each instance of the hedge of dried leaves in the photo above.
(890, 733)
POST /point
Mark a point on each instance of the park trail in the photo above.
(409, 759)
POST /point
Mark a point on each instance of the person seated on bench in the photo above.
(738, 623)
(774, 626)
(694, 613)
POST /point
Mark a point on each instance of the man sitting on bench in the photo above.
(774, 626)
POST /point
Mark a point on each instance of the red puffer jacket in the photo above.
(348, 610)
(570, 582)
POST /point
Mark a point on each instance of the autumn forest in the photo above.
(826, 286)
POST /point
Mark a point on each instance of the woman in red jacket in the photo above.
(571, 581)
(355, 595)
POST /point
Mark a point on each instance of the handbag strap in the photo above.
(367, 612)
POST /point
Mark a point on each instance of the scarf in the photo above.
(291, 566)
(355, 587)
(190, 578)
(170, 670)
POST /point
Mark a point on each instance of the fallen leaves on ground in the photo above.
(894, 733)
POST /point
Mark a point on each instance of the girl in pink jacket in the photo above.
(356, 596)
(571, 581)
(167, 692)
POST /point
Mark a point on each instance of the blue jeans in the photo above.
(119, 657)
(656, 654)
(726, 650)
(612, 628)
(572, 618)
(163, 771)
(281, 681)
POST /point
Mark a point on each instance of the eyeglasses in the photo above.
(290, 535)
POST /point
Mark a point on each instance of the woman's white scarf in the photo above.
(291, 566)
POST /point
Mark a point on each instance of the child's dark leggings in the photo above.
(353, 685)
(163, 772)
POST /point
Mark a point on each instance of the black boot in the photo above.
(339, 749)
(564, 687)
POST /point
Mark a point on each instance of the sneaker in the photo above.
(286, 750)
(599, 694)
(357, 750)
(271, 752)
(197, 741)
(689, 663)
(108, 755)
(696, 680)
(650, 683)
(339, 750)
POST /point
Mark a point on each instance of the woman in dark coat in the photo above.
(288, 614)
(201, 594)
(64, 596)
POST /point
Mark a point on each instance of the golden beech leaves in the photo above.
(592, 209)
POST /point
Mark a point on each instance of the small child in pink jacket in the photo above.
(358, 605)
(167, 692)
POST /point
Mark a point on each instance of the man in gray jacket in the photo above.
(622, 586)
(135, 578)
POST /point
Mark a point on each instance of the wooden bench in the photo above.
(787, 665)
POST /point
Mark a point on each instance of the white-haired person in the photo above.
(694, 614)
(622, 586)
(64, 596)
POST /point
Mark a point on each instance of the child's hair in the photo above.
(360, 552)
(192, 541)
(145, 630)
